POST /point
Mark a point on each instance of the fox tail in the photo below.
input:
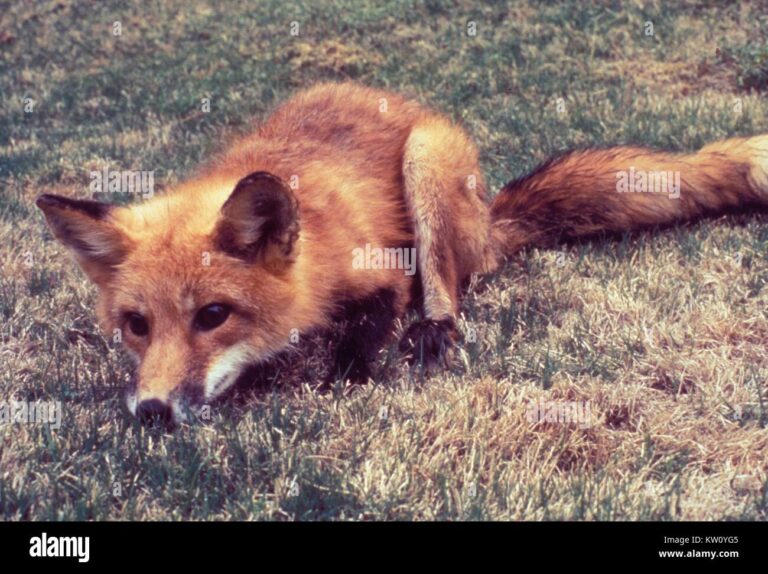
(588, 192)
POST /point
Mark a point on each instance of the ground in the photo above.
(662, 336)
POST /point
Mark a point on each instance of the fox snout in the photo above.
(167, 393)
(152, 410)
(166, 411)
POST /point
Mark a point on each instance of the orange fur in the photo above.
(335, 168)
(575, 195)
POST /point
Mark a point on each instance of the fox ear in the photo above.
(260, 220)
(88, 230)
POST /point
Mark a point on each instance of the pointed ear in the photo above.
(260, 221)
(87, 229)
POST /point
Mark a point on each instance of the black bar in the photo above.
(223, 544)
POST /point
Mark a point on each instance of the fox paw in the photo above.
(429, 343)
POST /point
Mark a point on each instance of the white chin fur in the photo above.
(179, 414)
(225, 369)
(131, 401)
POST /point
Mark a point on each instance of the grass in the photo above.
(663, 335)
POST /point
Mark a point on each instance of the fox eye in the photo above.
(137, 324)
(211, 316)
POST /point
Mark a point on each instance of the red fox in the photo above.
(219, 273)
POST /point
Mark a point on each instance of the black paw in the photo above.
(428, 343)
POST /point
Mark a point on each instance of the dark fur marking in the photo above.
(93, 209)
(368, 324)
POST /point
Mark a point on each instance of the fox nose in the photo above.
(154, 412)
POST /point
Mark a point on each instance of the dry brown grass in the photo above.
(662, 335)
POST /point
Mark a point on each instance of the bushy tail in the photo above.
(585, 193)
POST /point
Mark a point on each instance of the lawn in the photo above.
(659, 337)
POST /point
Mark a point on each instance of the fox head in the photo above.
(197, 283)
